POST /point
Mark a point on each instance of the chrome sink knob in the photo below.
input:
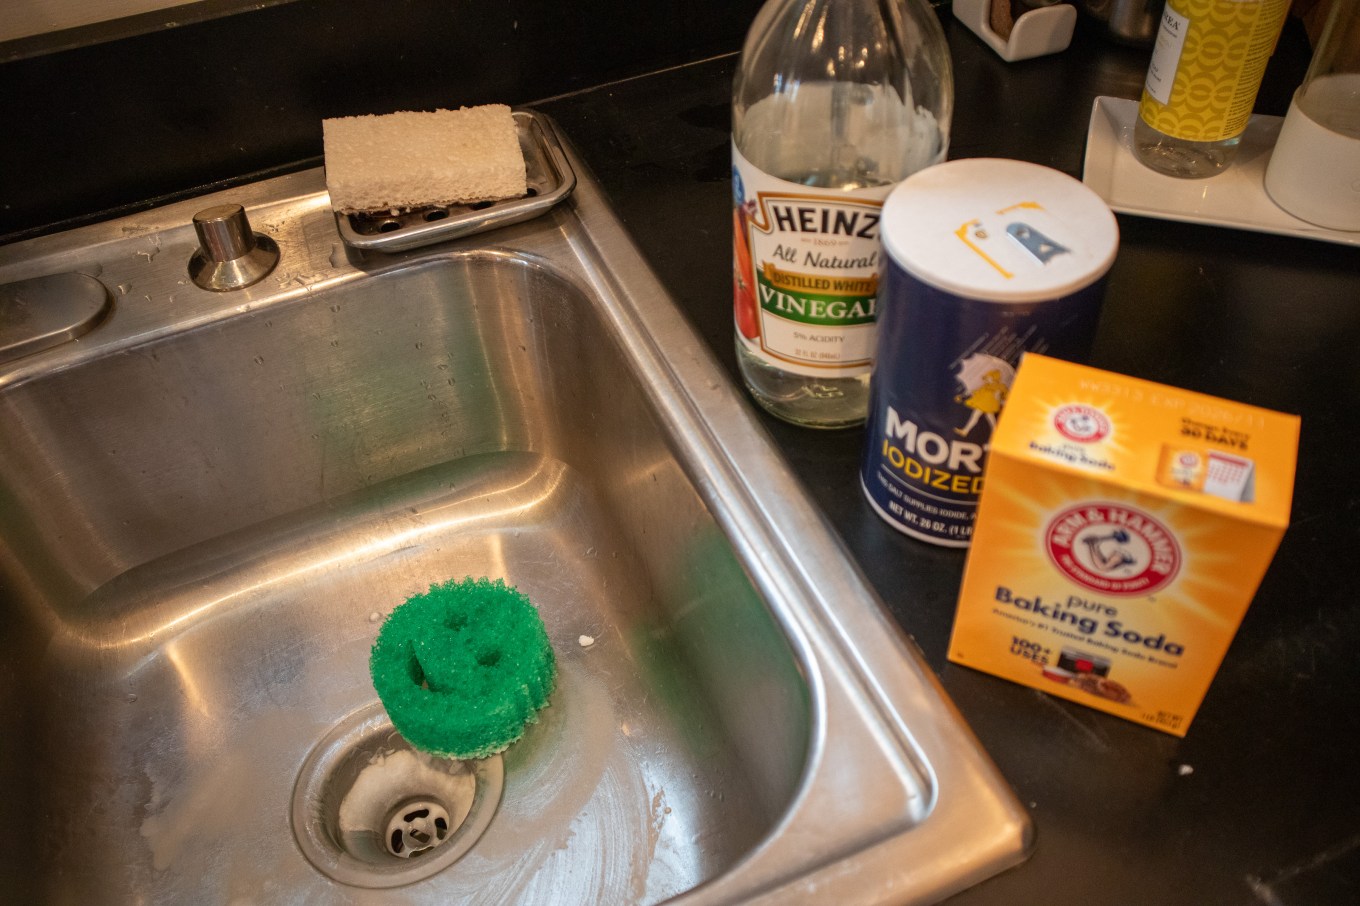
(230, 256)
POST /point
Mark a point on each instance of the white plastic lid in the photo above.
(999, 230)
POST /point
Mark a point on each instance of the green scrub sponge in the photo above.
(462, 668)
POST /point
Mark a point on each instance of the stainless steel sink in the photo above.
(209, 501)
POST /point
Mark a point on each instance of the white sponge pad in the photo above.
(405, 160)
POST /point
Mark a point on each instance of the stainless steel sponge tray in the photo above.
(550, 179)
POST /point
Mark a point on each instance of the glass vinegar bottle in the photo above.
(834, 103)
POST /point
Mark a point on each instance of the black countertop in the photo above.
(1260, 803)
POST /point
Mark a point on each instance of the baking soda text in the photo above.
(1066, 613)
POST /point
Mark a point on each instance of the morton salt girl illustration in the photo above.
(985, 395)
(834, 102)
(986, 260)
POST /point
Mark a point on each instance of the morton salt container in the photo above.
(985, 260)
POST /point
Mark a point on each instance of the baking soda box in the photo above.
(1122, 531)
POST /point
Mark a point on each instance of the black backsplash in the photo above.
(117, 126)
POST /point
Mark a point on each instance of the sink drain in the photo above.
(370, 811)
(415, 828)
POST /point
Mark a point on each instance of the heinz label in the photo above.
(805, 274)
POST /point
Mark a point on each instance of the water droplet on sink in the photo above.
(123, 288)
(131, 697)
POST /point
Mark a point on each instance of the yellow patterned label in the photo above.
(1207, 66)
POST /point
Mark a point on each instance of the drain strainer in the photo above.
(370, 811)
(415, 828)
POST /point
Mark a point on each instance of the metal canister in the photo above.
(985, 260)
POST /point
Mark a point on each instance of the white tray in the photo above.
(1234, 198)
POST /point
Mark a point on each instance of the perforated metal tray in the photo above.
(550, 179)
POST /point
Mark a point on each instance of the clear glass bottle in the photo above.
(834, 103)
(1314, 170)
(1206, 69)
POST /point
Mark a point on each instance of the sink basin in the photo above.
(209, 502)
